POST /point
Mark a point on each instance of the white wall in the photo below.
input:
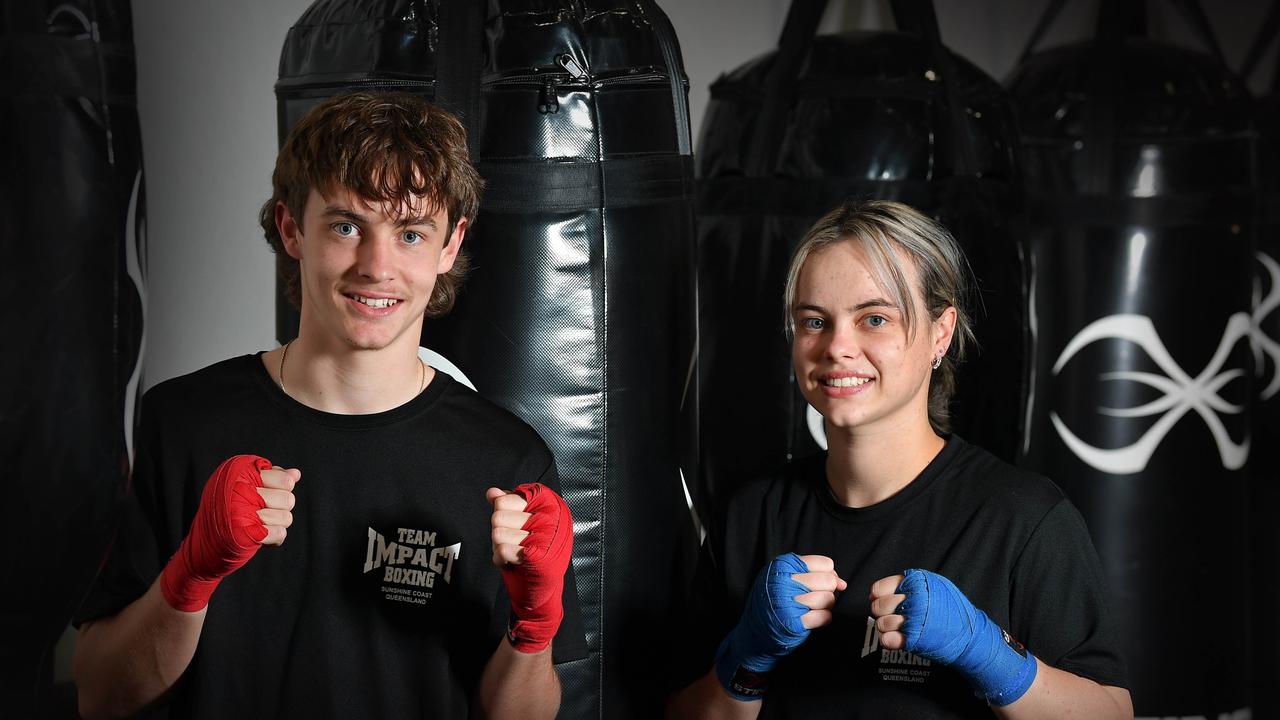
(205, 99)
(205, 76)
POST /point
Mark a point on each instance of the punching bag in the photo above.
(72, 222)
(791, 135)
(1264, 462)
(579, 312)
(1139, 172)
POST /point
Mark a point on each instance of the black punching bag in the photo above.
(71, 220)
(579, 312)
(1264, 464)
(791, 135)
(1139, 171)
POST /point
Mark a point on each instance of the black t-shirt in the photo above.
(383, 600)
(1010, 540)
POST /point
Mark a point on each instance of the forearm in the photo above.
(707, 700)
(127, 661)
(1060, 694)
(519, 685)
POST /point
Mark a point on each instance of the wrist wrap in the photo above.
(535, 585)
(769, 630)
(942, 625)
(225, 533)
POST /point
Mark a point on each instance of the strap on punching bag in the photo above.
(1117, 20)
(461, 31)
(1193, 13)
(1266, 35)
(918, 17)
(803, 18)
(1042, 26)
(779, 89)
(1191, 10)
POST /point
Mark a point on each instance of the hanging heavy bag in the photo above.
(1139, 175)
(579, 312)
(72, 222)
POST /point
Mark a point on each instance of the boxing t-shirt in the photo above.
(383, 600)
(1009, 539)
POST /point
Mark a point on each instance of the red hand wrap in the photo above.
(536, 585)
(226, 532)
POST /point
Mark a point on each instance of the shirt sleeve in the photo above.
(1059, 608)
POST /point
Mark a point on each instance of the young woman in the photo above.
(946, 583)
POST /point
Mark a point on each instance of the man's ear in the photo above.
(290, 230)
(449, 252)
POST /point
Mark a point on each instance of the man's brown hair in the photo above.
(386, 148)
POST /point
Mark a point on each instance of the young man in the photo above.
(422, 550)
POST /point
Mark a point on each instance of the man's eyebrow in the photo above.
(342, 212)
(428, 221)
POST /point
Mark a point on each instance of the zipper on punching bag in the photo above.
(548, 97)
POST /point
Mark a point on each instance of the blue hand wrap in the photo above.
(770, 629)
(942, 625)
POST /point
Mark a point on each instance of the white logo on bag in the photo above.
(1182, 393)
(1261, 343)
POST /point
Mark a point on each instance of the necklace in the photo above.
(284, 355)
(422, 371)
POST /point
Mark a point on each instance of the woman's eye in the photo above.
(812, 323)
(345, 229)
(876, 321)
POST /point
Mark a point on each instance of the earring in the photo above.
(937, 362)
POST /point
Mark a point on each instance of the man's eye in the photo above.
(812, 323)
(345, 229)
(412, 238)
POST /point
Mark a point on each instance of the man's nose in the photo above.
(374, 258)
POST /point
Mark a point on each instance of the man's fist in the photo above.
(532, 543)
(246, 503)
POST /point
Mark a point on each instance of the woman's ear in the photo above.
(944, 328)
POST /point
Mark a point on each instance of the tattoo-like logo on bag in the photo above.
(1182, 393)
(1264, 347)
(412, 566)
